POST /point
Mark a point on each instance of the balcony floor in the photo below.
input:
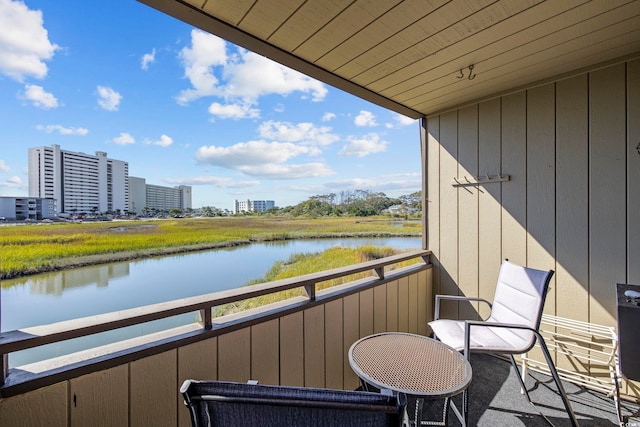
(495, 400)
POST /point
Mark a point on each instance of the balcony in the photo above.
(299, 341)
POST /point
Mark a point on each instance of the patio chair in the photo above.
(220, 403)
(512, 326)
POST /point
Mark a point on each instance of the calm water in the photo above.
(53, 297)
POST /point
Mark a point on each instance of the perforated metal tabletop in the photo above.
(411, 364)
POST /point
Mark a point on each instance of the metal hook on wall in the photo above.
(461, 76)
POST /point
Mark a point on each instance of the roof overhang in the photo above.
(419, 57)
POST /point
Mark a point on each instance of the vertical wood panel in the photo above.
(392, 306)
(379, 309)
(234, 356)
(366, 312)
(468, 209)
(412, 309)
(514, 192)
(195, 361)
(101, 398)
(425, 296)
(334, 344)
(265, 354)
(432, 200)
(403, 304)
(633, 171)
(153, 379)
(633, 185)
(489, 199)
(292, 350)
(314, 371)
(351, 307)
(541, 169)
(45, 407)
(572, 197)
(607, 236)
(448, 212)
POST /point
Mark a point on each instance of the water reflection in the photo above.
(63, 295)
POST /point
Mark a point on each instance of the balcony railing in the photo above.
(299, 341)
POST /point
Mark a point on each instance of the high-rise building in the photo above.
(80, 183)
(253, 205)
(157, 197)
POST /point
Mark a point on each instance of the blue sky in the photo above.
(184, 107)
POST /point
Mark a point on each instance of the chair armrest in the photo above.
(469, 323)
(436, 315)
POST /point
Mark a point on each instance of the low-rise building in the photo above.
(21, 208)
(253, 205)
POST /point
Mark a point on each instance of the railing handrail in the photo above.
(35, 336)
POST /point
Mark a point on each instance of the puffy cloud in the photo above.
(108, 98)
(380, 183)
(328, 117)
(240, 79)
(365, 118)
(62, 130)
(263, 159)
(403, 120)
(24, 42)
(147, 59)
(124, 139)
(4, 167)
(304, 133)
(363, 146)
(39, 98)
(233, 111)
(206, 51)
(164, 141)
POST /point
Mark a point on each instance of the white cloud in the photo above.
(264, 159)
(164, 141)
(147, 59)
(216, 181)
(4, 167)
(206, 51)
(108, 98)
(13, 182)
(363, 146)
(240, 79)
(24, 42)
(39, 98)
(304, 133)
(62, 130)
(233, 111)
(403, 120)
(365, 118)
(124, 139)
(280, 171)
(381, 183)
(328, 116)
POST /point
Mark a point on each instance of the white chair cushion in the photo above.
(502, 340)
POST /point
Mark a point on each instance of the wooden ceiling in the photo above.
(416, 57)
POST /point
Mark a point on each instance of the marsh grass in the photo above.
(37, 248)
(305, 263)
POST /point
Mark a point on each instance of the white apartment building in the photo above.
(253, 205)
(157, 197)
(81, 183)
(21, 208)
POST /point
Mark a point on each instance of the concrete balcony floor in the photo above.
(495, 400)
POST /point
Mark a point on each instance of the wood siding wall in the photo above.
(572, 149)
(306, 348)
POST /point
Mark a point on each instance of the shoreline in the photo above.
(89, 260)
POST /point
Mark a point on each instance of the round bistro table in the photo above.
(415, 365)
